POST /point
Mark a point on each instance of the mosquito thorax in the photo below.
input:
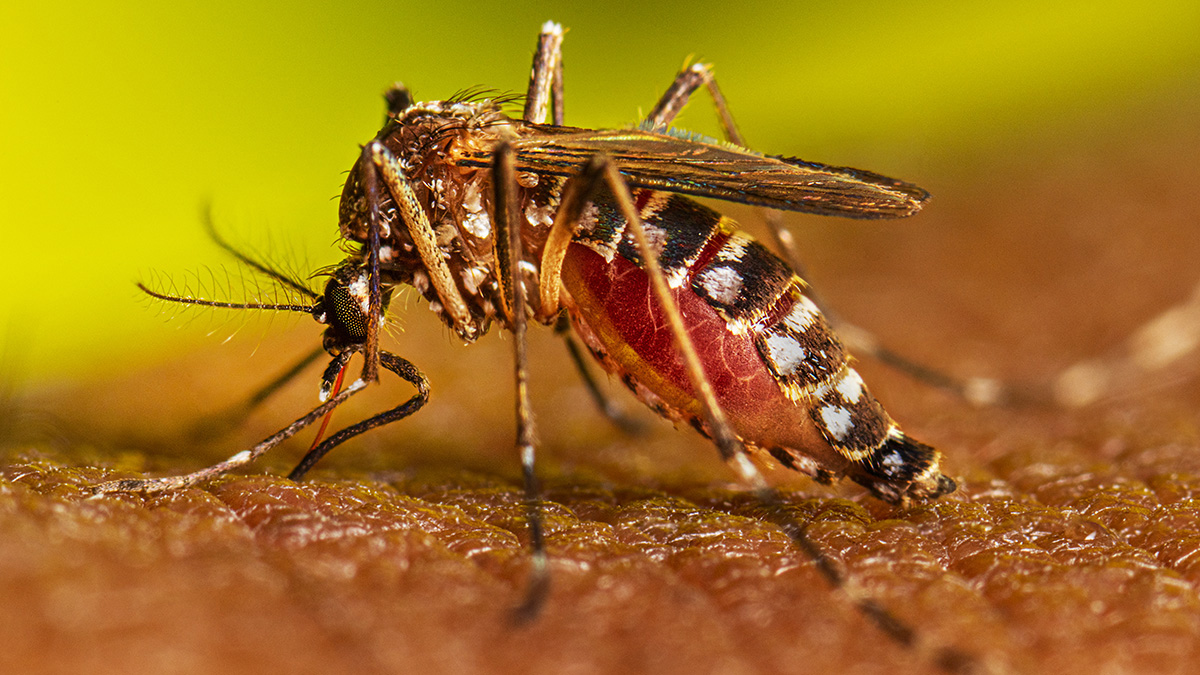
(425, 138)
(422, 136)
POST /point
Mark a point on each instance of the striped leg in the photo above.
(979, 391)
(504, 181)
(240, 459)
(546, 91)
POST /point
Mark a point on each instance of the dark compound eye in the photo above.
(346, 302)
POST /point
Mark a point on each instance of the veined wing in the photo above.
(677, 163)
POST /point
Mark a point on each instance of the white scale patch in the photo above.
(851, 386)
(722, 284)
(476, 221)
(837, 421)
(892, 462)
(677, 277)
(654, 205)
(656, 237)
(359, 290)
(472, 277)
(804, 313)
(587, 224)
(539, 216)
(472, 200)
(478, 224)
(785, 353)
(735, 248)
(420, 281)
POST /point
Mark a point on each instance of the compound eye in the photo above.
(347, 308)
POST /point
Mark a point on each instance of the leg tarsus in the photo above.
(407, 372)
(505, 204)
(240, 459)
(538, 588)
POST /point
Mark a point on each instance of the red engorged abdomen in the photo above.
(613, 300)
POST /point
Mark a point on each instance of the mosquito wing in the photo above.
(674, 162)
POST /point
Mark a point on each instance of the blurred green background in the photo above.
(118, 120)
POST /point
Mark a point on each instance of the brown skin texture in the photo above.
(1071, 545)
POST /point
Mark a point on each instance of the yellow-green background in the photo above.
(117, 120)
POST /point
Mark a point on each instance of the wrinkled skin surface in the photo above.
(1072, 543)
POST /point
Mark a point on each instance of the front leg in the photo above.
(240, 459)
(509, 255)
(407, 372)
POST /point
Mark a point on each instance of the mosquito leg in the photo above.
(379, 163)
(979, 391)
(575, 195)
(545, 80)
(241, 459)
(556, 93)
(504, 180)
(676, 97)
(600, 168)
(727, 441)
(607, 406)
(219, 423)
(672, 103)
(370, 182)
(570, 209)
(1158, 345)
(407, 372)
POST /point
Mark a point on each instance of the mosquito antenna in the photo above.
(276, 274)
(224, 305)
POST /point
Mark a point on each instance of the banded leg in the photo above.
(504, 182)
(672, 103)
(546, 87)
(401, 367)
(979, 391)
(371, 168)
(240, 459)
(378, 163)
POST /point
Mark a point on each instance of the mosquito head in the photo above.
(346, 307)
